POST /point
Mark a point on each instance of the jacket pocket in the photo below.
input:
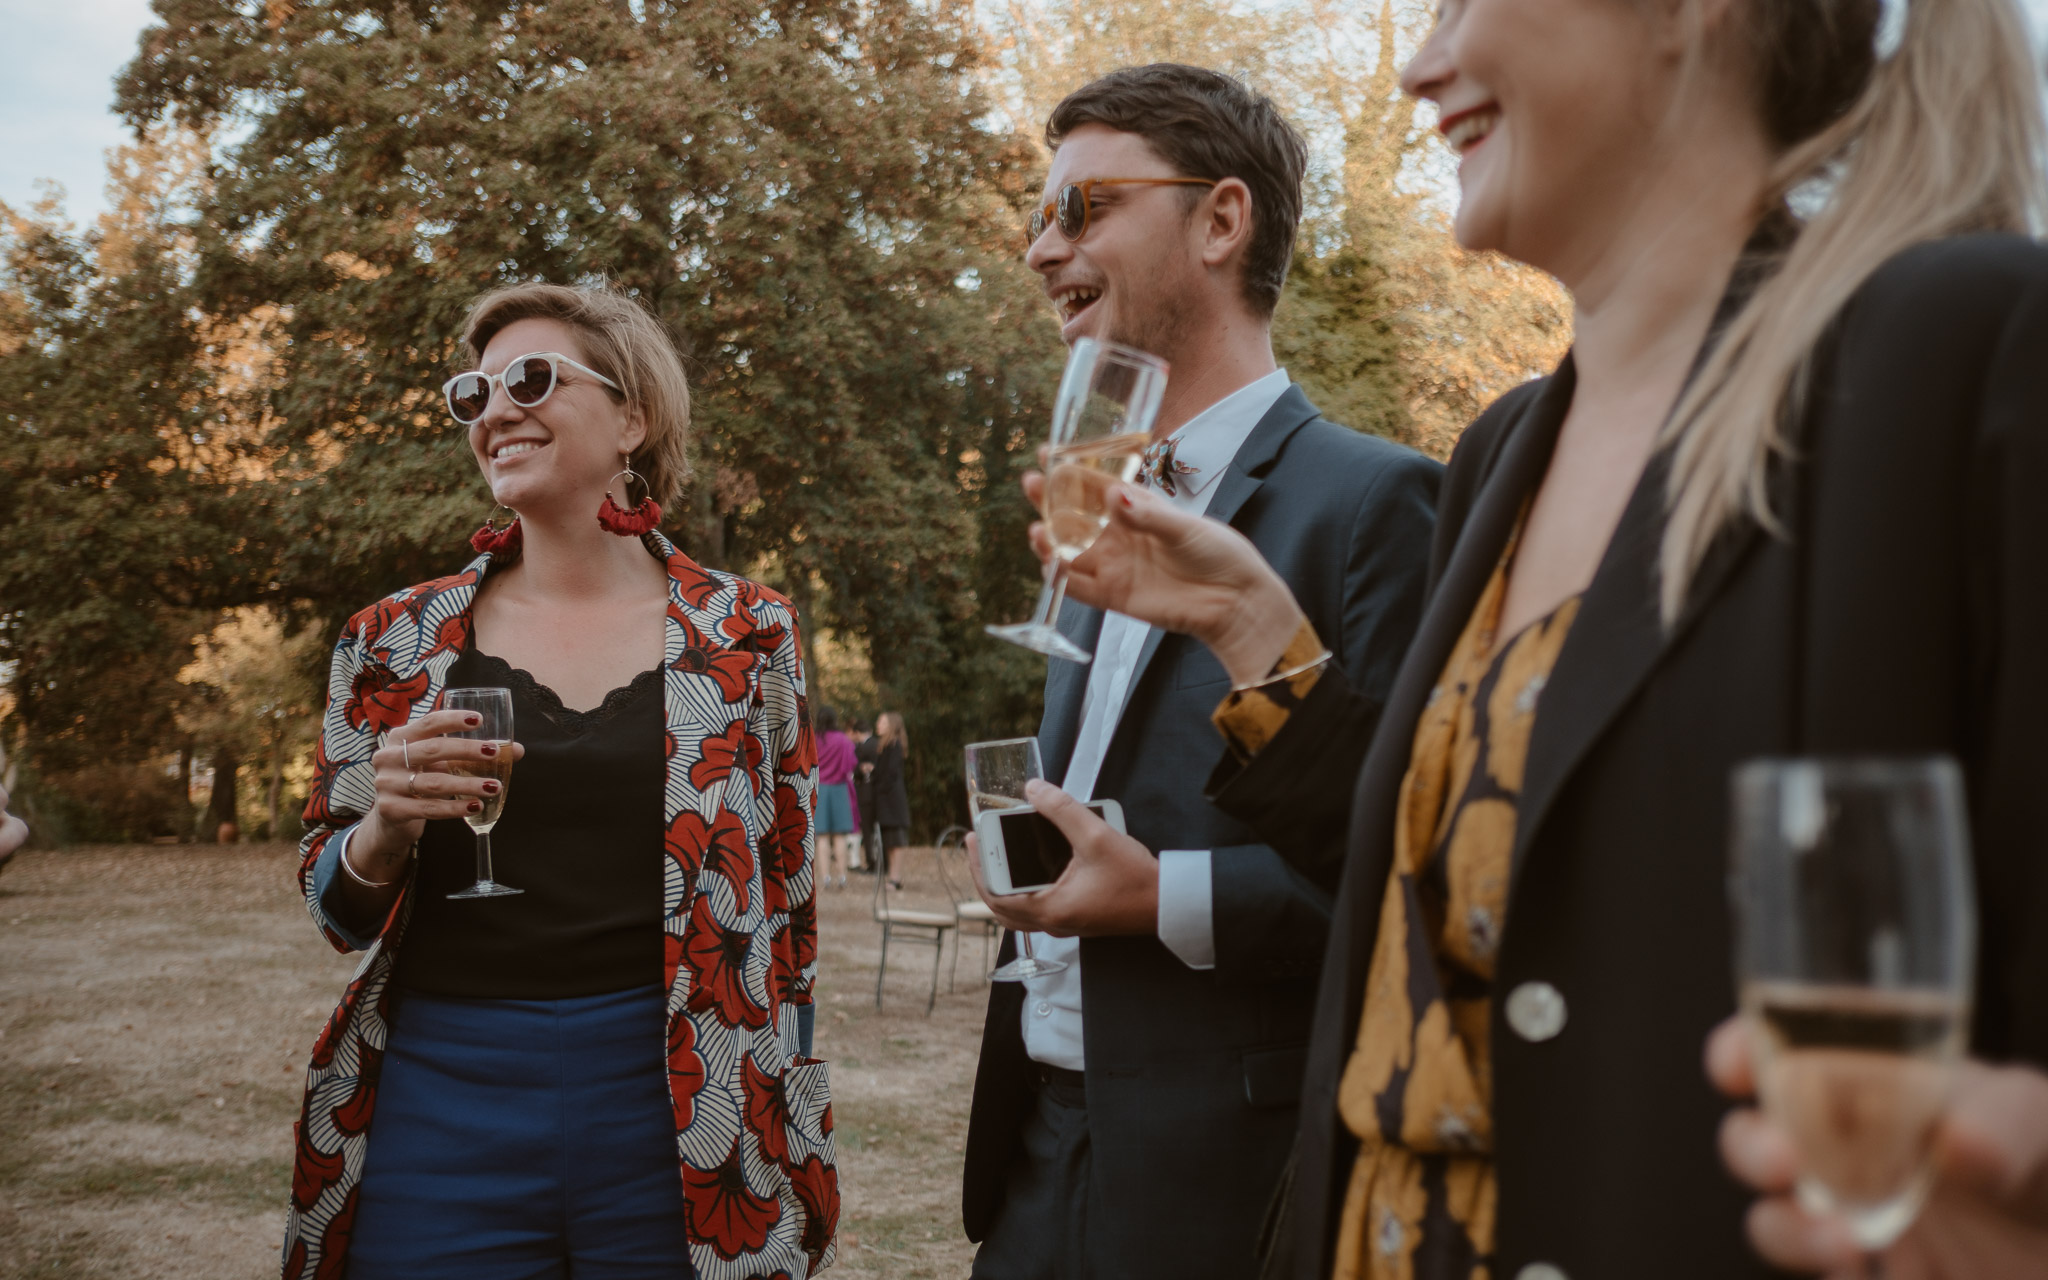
(1272, 1077)
(810, 1166)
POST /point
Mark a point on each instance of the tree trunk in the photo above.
(277, 781)
(220, 811)
(185, 790)
(706, 530)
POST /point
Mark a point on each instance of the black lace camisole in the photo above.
(581, 834)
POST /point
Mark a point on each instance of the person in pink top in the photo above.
(837, 814)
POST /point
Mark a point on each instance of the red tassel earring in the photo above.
(629, 523)
(499, 540)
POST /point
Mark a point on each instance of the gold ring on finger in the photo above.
(412, 784)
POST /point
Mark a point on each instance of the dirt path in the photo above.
(157, 1006)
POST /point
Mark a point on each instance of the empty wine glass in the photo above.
(996, 775)
(1856, 936)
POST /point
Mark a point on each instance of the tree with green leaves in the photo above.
(804, 193)
(125, 500)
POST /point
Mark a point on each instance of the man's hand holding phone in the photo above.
(1110, 886)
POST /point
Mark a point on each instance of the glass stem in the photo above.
(483, 857)
(1053, 596)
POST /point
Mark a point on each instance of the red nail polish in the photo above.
(476, 806)
(490, 786)
(1125, 498)
(474, 720)
(490, 748)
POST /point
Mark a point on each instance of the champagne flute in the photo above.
(494, 710)
(996, 774)
(1101, 424)
(1856, 941)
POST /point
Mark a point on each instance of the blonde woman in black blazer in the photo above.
(1791, 481)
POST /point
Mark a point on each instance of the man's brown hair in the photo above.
(1207, 125)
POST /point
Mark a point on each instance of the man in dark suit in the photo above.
(1132, 1112)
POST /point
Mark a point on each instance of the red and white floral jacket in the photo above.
(753, 1119)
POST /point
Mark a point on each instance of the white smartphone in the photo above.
(1023, 852)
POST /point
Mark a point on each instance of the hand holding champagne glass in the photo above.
(1101, 425)
(996, 775)
(1855, 948)
(440, 765)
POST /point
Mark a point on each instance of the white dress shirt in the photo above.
(1206, 443)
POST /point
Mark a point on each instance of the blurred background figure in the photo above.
(868, 843)
(13, 832)
(892, 799)
(833, 812)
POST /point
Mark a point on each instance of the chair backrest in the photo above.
(951, 845)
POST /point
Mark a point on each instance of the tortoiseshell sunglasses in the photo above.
(1069, 209)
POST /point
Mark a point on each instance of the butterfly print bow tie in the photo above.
(1159, 466)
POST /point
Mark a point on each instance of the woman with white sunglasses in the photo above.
(602, 1074)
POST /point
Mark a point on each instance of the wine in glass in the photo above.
(1101, 424)
(494, 709)
(1856, 938)
(996, 774)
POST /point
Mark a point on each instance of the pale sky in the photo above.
(56, 120)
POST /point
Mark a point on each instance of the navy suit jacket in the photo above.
(1193, 1075)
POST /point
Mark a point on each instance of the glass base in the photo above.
(1024, 967)
(487, 889)
(1040, 638)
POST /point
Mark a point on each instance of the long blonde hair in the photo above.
(1944, 137)
(889, 728)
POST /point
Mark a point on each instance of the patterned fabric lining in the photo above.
(1417, 1091)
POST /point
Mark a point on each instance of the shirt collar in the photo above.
(1208, 441)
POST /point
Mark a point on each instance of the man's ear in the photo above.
(1225, 216)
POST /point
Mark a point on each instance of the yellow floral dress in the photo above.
(1416, 1091)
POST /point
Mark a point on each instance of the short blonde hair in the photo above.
(624, 342)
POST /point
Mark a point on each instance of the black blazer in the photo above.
(1193, 1075)
(892, 801)
(1904, 612)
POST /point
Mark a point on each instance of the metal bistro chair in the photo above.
(918, 926)
(972, 911)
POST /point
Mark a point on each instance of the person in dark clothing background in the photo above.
(868, 845)
(892, 801)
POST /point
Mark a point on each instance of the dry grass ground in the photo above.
(157, 1006)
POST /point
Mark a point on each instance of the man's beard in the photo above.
(1159, 323)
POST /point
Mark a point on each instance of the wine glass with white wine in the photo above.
(1101, 424)
(996, 776)
(1856, 935)
(493, 708)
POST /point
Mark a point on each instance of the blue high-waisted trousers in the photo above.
(523, 1140)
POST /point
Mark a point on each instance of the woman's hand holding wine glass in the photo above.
(1183, 573)
(416, 781)
(1987, 1215)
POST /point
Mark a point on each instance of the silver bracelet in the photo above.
(1288, 674)
(348, 869)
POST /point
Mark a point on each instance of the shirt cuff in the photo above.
(327, 888)
(1187, 919)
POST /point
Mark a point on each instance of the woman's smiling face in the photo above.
(1553, 108)
(568, 446)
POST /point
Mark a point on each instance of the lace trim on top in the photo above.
(550, 703)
